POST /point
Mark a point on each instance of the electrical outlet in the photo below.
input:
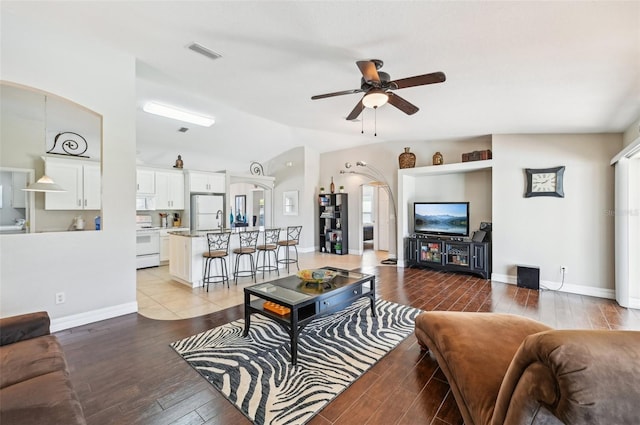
(60, 298)
(563, 269)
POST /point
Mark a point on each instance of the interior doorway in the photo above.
(374, 203)
(368, 218)
(257, 209)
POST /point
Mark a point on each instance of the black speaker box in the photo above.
(486, 227)
(479, 236)
(528, 277)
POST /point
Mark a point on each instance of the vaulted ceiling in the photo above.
(511, 67)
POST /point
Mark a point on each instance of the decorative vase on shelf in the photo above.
(438, 159)
(407, 159)
(332, 187)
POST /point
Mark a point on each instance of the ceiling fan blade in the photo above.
(356, 111)
(405, 106)
(369, 71)
(418, 80)
(338, 93)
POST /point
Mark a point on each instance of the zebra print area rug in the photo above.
(256, 375)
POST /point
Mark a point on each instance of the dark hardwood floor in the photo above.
(125, 372)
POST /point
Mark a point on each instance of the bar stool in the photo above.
(218, 250)
(248, 242)
(293, 236)
(271, 237)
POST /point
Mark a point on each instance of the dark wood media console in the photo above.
(449, 255)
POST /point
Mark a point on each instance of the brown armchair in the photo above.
(507, 369)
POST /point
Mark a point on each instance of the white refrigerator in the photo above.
(207, 212)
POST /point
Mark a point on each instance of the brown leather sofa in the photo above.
(507, 369)
(34, 378)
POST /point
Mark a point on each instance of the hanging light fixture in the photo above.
(375, 98)
(44, 183)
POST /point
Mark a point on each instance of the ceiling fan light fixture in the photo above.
(177, 114)
(375, 98)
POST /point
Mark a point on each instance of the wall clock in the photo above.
(544, 182)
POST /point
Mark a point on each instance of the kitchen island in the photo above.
(186, 249)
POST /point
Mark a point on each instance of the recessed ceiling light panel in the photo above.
(199, 48)
(177, 114)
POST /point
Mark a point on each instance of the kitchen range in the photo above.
(147, 243)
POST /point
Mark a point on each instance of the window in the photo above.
(367, 204)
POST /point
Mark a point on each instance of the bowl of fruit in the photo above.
(317, 275)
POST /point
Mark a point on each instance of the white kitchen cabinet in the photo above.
(165, 249)
(185, 259)
(145, 182)
(92, 186)
(180, 257)
(207, 182)
(82, 181)
(169, 190)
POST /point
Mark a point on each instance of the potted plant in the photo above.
(321, 189)
(341, 189)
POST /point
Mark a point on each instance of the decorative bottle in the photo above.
(231, 217)
(332, 187)
(407, 159)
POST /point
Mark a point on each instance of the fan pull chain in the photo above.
(362, 121)
(375, 121)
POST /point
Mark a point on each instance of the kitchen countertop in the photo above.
(203, 233)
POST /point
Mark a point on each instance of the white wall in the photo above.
(627, 219)
(96, 270)
(576, 231)
(384, 157)
(300, 175)
(632, 133)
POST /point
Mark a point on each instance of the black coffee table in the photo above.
(307, 301)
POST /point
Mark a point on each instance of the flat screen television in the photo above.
(441, 218)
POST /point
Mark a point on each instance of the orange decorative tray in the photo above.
(276, 308)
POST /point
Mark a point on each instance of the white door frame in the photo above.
(380, 207)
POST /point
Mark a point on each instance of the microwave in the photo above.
(145, 203)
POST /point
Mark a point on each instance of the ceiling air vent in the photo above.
(183, 129)
(199, 48)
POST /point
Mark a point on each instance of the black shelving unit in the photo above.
(334, 223)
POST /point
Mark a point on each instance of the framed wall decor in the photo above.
(545, 182)
(290, 202)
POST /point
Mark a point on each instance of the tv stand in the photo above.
(449, 255)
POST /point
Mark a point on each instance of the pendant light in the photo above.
(44, 183)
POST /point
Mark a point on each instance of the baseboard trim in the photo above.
(634, 302)
(80, 319)
(567, 287)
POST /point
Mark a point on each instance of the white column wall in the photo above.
(95, 270)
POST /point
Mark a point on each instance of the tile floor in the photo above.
(160, 297)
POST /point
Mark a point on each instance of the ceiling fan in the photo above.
(378, 88)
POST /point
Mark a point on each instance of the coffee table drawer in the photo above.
(339, 300)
